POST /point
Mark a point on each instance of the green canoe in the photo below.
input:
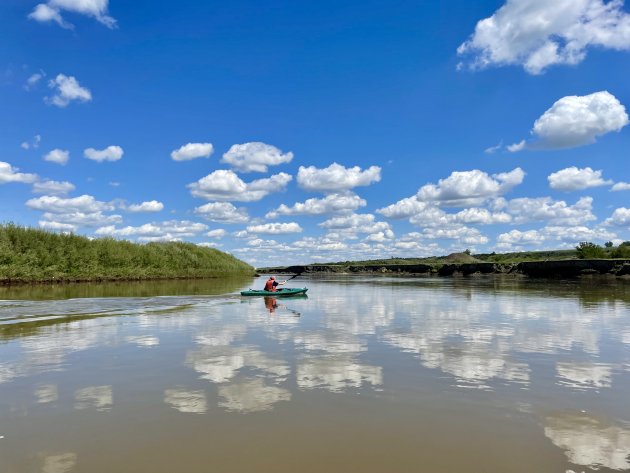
(286, 291)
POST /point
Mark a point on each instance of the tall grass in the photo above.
(28, 254)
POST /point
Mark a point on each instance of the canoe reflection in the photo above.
(271, 303)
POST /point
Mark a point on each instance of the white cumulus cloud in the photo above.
(275, 228)
(210, 244)
(255, 157)
(84, 203)
(517, 237)
(57, 156)
(33, 144)
(348, 226)
(53, 187)
(463, 234)
(225, 185)
(336, 178)
(572, 235)
(552, 235)
(10, 174)
(223, 212)
(191, 151)
(404, 208)
(460, 189)
(619, 218)
(111, 153)
(529, 209)
(150, 206)
(216, 233)
(44, 13)
(332, 203)
(432, 216)
(58, 226)
(469, 187)
(51, 11)
(577, 121)
(621, 186)
(33, 80)
(171, 230)
(80, 219)
(480, 216)
(516, 147)
(67, 89)
(536, 34)
(84, 210)
(573, 179)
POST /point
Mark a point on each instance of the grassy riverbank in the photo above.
(32, 255)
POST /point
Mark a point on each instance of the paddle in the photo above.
(293, 277)
(293, 311)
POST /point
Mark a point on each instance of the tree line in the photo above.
(589, 250)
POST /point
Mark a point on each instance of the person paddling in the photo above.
(272, 284)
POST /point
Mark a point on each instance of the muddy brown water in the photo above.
(365, 374)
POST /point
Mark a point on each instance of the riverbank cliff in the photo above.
(534, 269)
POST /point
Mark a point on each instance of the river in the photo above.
(369, 374)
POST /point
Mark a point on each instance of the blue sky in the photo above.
(296, 132)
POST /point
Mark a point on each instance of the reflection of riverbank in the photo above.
(221, 284)
(587, 291)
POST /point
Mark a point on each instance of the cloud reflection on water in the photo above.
(94, 397)
(47, 393)
(251, 396)
(143, 341)
(336, 373)
(590, 442)
(193, 402)
(584, 375)
(59, 463)
(221, 364)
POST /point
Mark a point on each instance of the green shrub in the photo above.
(30, 254)
(588, 250)
(622, 251)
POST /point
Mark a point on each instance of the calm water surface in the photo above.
(366, 374)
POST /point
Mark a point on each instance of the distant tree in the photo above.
(622, 251)
(608, 244)
(625, 243)
(588, 250)
(467, 251)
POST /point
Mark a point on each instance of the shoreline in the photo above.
(557, 269)
(6, 282)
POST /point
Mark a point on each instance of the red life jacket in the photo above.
(269, 286)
